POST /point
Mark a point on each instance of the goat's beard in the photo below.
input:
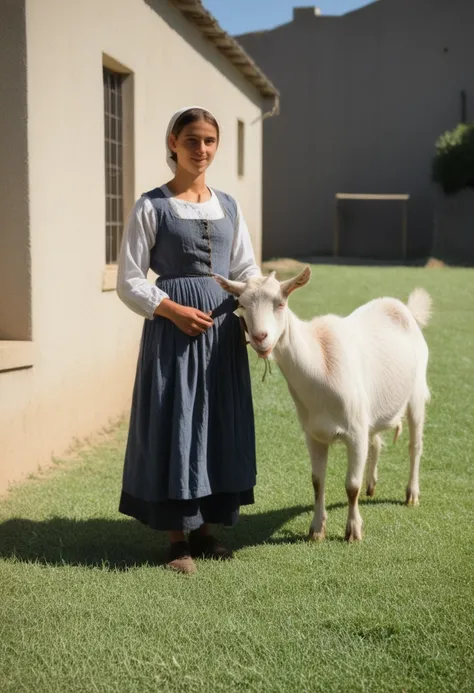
(262, 354)
(265, 354)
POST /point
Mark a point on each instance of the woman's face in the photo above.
(195, 146)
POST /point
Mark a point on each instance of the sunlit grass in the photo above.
(86, 605)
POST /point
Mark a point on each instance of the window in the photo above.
(240, 147)
(113, 115)
(16, 347)
(118, 153)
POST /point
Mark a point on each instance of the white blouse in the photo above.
(139, 238)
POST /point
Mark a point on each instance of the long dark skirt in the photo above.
(191, 447)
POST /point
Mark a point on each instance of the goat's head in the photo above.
(262, 304)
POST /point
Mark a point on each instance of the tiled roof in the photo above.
(195, 13)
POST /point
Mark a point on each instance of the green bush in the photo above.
(453, 165)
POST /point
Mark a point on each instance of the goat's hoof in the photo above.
(370, 490)
(412, 498)
(353, 532)
(316, 536)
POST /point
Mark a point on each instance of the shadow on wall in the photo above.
(438, 260)
(364, 261)
(291, 265)
(178, 23)
(295, 264)
(373, 235)
(453, 237)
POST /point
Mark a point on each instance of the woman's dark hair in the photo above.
(193, 115)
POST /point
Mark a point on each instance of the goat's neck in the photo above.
(297, 352)
(289, 336)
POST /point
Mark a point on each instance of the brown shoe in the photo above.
(179, 558)
(207, 546)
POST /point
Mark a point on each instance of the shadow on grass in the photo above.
(289, 537)
(124, 544)
(366, 501)
(117, 544)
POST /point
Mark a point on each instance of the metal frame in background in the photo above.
(372, 196)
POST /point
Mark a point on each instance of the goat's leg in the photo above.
(375, 445)
(416, 420)
(357, 456)
(319, 458)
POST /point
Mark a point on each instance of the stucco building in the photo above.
(87, 90)
(364, 98)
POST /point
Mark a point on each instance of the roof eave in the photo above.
(206, 23)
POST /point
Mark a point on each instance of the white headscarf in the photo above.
(169, 154)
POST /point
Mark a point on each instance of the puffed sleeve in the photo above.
(139, 237)
(242, 262)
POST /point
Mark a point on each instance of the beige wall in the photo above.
(85, 339)
(363, 99)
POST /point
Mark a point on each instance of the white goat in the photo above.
(350, 379)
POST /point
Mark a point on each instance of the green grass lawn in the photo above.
(86, 606)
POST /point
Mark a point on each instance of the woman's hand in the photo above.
(191, 321)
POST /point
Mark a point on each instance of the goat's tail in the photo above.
(420, 303)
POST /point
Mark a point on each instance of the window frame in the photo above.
(125, 195)
(240, 148)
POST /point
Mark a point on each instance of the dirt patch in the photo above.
(283, 265)
(434, 263)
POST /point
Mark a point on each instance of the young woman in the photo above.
(190, 458)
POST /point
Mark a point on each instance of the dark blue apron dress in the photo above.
(190, 454)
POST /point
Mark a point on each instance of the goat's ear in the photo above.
(235, 288)
(290, 285)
